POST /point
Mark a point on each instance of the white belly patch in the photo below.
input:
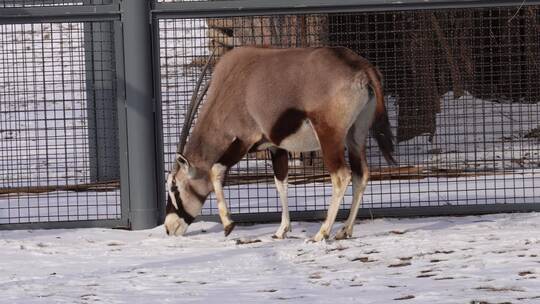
(303, 140)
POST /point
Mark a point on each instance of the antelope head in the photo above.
(187, 189)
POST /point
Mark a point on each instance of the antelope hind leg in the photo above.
(356, 147)
(340, 181)
(333, 150)
(360, 179)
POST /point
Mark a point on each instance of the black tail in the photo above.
(381, 126)
(384, 137)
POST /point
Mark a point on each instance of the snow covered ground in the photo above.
(475, 259)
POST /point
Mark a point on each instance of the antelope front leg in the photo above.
(280, 165)
(217, 176)
(285, 226)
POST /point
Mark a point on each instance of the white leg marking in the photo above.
(217, 176)
(356, 144)
(340, 181)
(359, 185)
(174, 225)
(285, 219)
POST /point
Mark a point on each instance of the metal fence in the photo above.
(87, 133)
(461, 88)
(67, 106)
(57, 111)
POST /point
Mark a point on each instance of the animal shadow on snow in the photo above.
(304, 230)
(216, 228)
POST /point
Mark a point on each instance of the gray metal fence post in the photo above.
(160, 163)
(140, 145)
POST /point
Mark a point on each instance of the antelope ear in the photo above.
(185, 166)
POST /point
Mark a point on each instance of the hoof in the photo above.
(279, 237)
(318, 237)
(175, 225)
(282, 233)
(229, 228)
(343, 234)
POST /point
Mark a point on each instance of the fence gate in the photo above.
(462, 90)
(75, 112)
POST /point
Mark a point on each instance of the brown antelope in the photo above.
(283, 100)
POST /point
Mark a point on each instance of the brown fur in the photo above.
(238, 106)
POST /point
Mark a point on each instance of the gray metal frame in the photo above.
(122, 119)
(105, 12)
(102, 122)
(231, 8)
(160, 162)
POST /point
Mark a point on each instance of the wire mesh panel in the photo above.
(462, 91)
(57, 101)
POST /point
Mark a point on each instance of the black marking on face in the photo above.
(181, 212)
(287, 124)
